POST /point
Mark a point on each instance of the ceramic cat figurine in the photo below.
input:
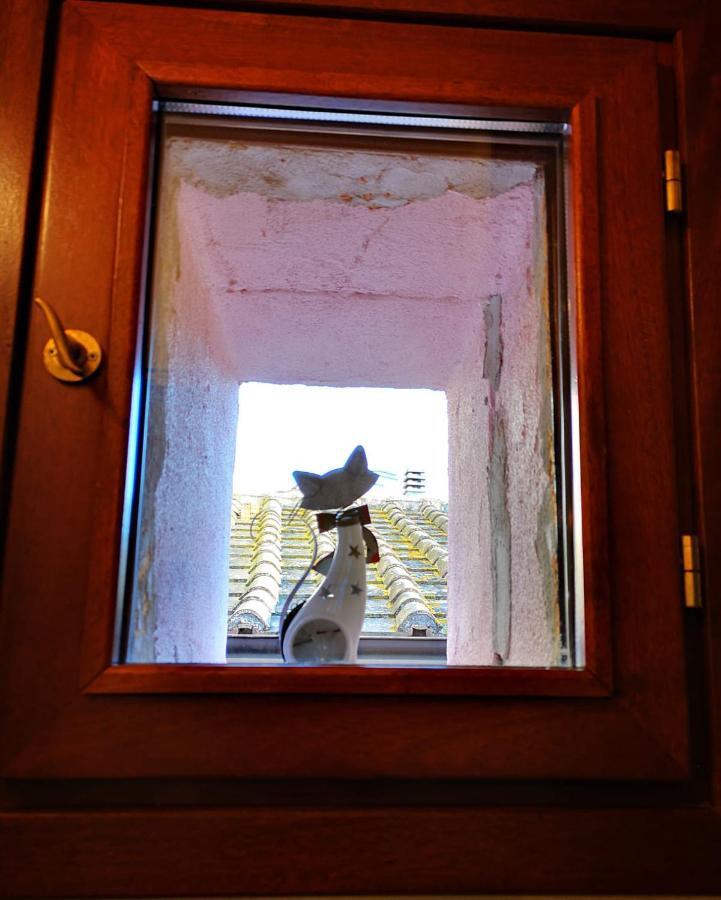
(339, 487)
(326, 628)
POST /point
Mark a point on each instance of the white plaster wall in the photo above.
(370, 269)
(514, 620)
(180, 613)
(330, 293)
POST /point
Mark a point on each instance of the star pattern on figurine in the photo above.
(356, 589)
(326, 591)
(354, 551)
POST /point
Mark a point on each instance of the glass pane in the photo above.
(320, 285)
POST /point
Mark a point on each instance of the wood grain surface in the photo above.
(22, 44)
(662, 18)
(90, 261)
(579, 824)
(699, 73)
(181, 853)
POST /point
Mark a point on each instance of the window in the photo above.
(358, 256)
(365, 779)
(80, 712)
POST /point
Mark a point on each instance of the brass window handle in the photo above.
(70, 355)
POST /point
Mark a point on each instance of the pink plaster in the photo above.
(327, 291)
(329, 278)
(183, 562)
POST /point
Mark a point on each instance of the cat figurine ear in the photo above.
(308, 483)
(357, 462)
(339, 487)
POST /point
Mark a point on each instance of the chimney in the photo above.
(414, 482)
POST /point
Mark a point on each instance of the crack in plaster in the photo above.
(497, 486)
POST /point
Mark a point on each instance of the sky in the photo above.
(314, 429)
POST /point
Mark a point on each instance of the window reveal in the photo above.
(355, 261)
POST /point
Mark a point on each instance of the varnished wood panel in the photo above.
(636, 16)
(383, 60)
(699, 71)
(240, 736)
(358, 679)
(22, 40)
(180, 853)
(111, 57)
(393, 848)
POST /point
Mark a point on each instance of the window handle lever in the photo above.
(69, 355)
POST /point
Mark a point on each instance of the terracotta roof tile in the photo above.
(271, 546)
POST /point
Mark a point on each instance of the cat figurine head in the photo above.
(339, 487)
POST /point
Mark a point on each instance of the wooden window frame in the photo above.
(63, 723)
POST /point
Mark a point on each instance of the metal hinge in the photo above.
(672, 181)
(692, 595)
